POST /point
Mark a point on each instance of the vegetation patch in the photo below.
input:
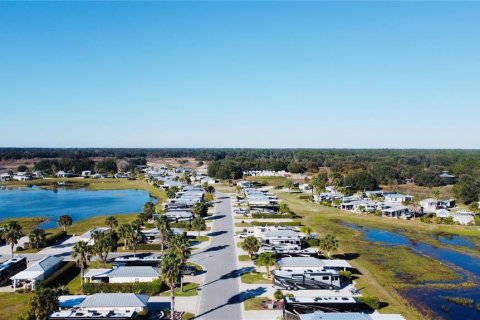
(254, 277)
(460, 300)
(150, 288)
(189, 290)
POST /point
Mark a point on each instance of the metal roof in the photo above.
(134, 272)
(349, 316)
(119, 300)
(300, 262)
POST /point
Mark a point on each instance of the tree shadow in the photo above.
(346, 256)
(216, 217)
(237, 299)
(216, 233)
(216, 248)
(231, 275)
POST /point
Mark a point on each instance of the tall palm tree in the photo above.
(181, 246)
(12, 232)
(64, 221)
(124, 231)
(267, 260)
(134, 236)
(111, 222)
(82, 252)
(328, 244)
(171, 268)
(163, 226)
(198, 224)
(37, 238)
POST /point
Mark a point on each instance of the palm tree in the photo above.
(171, 268)
(44, 302)
(181, 246)
(251, 245)
(12, 232)
(64, 221)
(289, 185)
(283, 208)
(37, 238)
(199, 224)
(105, 242)
(307, 230)
(111, 222)
(267, 260)
(82, 252)
(163, 226)
(328, 244)
(123, 231)
(134, 237)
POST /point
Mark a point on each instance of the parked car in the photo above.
(245, 234)
(240, 211)
(189, 271)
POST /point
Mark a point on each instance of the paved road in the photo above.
(220, 296)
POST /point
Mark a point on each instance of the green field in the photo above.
(189, 290)
(27, 224)
(271, 181)
(254, 277)
(380, 274)
(13, 305)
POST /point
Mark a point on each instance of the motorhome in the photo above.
(307, 279)
(11, 267)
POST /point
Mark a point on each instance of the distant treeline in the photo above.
(384, 165)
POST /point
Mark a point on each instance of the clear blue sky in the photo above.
(389, 75)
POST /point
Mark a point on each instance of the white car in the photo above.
(245, 234)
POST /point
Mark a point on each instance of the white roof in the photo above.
(336, 263)
(96, 272)
(38, 269)
(115, 300)
(134, 272)
(349, 316)
(70, 301)
(300, 262)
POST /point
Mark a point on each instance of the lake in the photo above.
(77, 203)
(432, 298)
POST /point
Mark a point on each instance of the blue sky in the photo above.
(223, 74)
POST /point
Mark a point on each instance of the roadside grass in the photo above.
(271, 181)
(81, 226)
(254, 303)
(381, 271)
(188, 316)
(244, 257)
(201, 238)
(74, 286)
(255, 277)
(27, 223)
(13, 304)
(189, 290)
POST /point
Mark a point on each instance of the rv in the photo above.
(307, 280)
(11, 267)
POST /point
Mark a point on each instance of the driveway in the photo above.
(220, 293)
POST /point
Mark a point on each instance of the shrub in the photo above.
(19, 248)
(278, 295)
(371, 301)
(289, 295)
(306, 197)
(346, 274)
(273, 216)
(287, 223)
(55, 238)
(150, 288)
(149, 246)
(326, 203)
(312, 242)
(63, 275)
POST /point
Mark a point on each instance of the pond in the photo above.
(435, 299)
(77, 203)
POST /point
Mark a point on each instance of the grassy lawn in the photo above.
(201, 239)
(381, 274)
(255, 278)
(254, 303)
(74, 286)
(27, 224)
(119, 184)
(271, 181)
(244, 257)
(189, 290)
(13, 305)
(81, 226)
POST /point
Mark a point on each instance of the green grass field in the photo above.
(189, 290)
(254, 277)
(13, 305)
(380, 274)
(27, 224)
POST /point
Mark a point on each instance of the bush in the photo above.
(149, 246)
(326, 203)
(150, 288)
(273, 216)
(287, 223)
(55, 238)
(19, 248)
(305, 197)
(346, 274)
(63, 275)
(278, 295)
(312, 242)
(370, 301)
